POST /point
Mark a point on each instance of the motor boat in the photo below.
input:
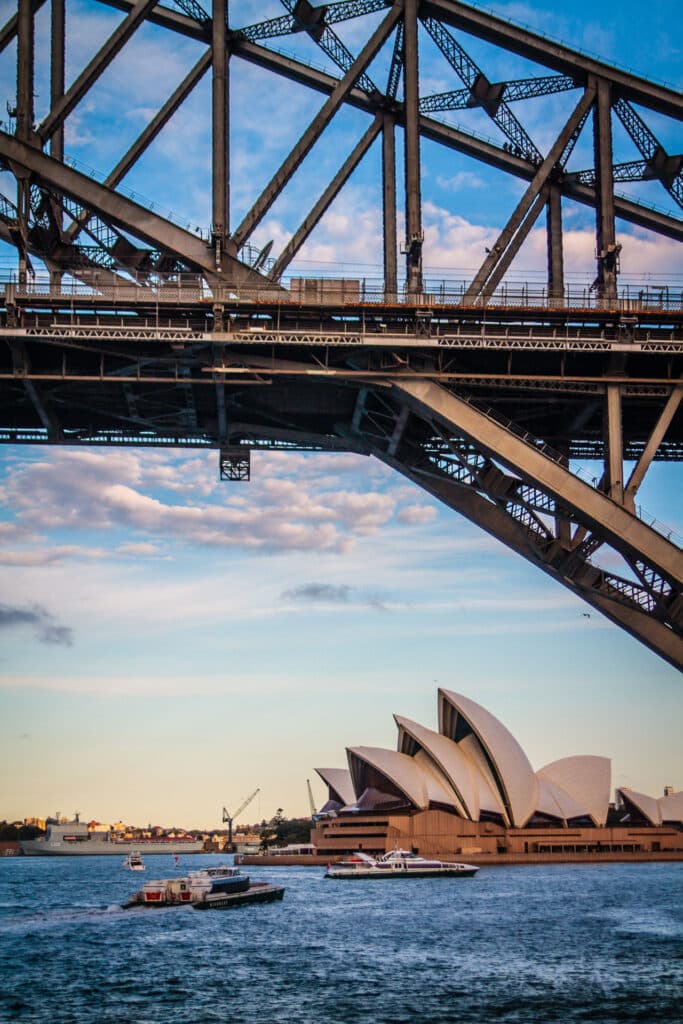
(134, 861)
(216, 887)
(397, 864)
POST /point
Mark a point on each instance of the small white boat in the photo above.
(134, 861)
(397, 864)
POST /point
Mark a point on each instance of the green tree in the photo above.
(274, 832)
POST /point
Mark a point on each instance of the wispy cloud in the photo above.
(329, 593)
(46, 627)
(319, 592)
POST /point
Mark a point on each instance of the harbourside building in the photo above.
(469, 789)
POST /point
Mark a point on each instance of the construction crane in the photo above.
(231, 817)
(310, 800)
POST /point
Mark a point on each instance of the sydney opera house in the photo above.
(470, 789)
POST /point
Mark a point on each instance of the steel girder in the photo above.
(573, 65)
(531, 502)
(551, 54)
(483, 93)
(460, 140)
(532, 506)
(120, 210)
(89, 382)
(522, 89)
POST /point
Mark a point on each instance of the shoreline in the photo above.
(480, 859)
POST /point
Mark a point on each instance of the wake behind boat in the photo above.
(397, 864)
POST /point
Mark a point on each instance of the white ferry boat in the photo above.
(397, 864)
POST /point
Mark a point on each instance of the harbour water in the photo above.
(521, 945)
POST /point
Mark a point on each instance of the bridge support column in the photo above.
(656, 437)
(555, 253)
(614, 468)
(389, 207)
(220, 163)
(24, 114)
(607, 250)
(413, 246)
(57, 64)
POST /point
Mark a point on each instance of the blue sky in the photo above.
(169, 642)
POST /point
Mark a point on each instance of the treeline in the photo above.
(281, 831)
(10, 832)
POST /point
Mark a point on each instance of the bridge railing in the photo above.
(333, 293)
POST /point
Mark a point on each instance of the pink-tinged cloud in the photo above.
(282, 509)
(416, 514)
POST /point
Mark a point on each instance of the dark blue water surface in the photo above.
(534, 944)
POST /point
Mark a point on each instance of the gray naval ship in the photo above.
(72, 839)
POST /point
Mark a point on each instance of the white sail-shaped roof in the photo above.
(557, 802)
(428, 765)
(514, 776)
(671, 807)
(339, 782)
(648, 806)
(488, 794)
(587, 779)
(418, 784)
(452, 761)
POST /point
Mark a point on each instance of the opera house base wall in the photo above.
(440, 834)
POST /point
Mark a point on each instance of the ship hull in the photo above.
(95, 848)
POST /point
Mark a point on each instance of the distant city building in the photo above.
(470, 788)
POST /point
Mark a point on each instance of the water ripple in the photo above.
(536, 945)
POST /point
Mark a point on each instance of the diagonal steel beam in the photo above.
(497, 523)
(622, 530)
(306, 18)
(540, 178)
(328, 196)
(315, 21)
(123, 212)
(519, 89)
(668, 169)
(144, 140)
(552, 54)
(150, 133)
(95, 68)
(483, 93)
(186, 26)
(8, 32)
(457, 139)
(497, 30)
(656, 437)
(519, 237)
(396, 66)
(314, 130)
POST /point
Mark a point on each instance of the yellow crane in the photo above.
(232, 817)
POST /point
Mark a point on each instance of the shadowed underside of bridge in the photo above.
(147, 334)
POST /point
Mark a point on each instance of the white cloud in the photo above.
(290, 505)
(49, 556)
(417, 514)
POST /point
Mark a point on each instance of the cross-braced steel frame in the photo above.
(484, 398)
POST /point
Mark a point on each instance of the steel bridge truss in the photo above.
(178, 338)
(525, 496)
(56, 204)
